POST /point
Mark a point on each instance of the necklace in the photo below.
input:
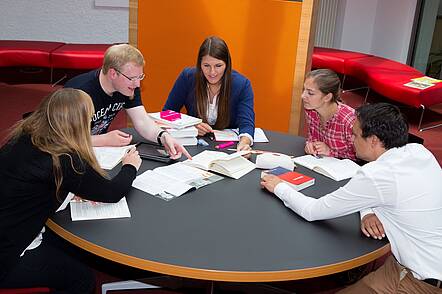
(212, 93)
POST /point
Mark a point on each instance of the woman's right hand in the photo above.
(310, 148)
(132, 158)
(203, 129)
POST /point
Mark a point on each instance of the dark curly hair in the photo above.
(385, 121)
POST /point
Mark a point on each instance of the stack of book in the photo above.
(185, 136)
(179, 125)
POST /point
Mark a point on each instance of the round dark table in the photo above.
(231, 230)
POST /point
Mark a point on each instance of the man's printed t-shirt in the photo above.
(106, 107)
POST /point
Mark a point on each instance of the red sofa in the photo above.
(52, 55)
(27, 53)
(78, 56)
(384, 76)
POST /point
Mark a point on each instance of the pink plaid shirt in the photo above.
(336, 133)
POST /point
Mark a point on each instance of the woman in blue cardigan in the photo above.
(212, 91)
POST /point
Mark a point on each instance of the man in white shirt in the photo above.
(402, 186)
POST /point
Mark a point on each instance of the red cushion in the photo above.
(361, 67)
(25, 290)
(79, 56)
(387, 77)
(26, 53)
(334, 59)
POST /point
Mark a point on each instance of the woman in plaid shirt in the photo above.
(329, 121)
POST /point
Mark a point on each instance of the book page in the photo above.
(88, 210)
(232, 135)
(109, 157)
(204, 159)
(235, 168)
(260, 136)
(234, 165)
(226, 135)
(338, 170)
(309, 161)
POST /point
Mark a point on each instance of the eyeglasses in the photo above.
(131, 79)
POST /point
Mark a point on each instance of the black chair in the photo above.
(415, 139)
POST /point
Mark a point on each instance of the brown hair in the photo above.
(327, 82)
(61, 126)
(216, 48)
(116, 56)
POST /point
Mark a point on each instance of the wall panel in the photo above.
(262, 36)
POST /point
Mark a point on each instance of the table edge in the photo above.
(215, 275)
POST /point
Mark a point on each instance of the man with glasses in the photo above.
(116, 86)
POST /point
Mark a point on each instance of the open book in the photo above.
(232, 165)
(109, 157)
(171, 181)
(232, 135)
(336, 169)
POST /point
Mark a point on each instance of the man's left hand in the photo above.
(174, 149)
(371, 226)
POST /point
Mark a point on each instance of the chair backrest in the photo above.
(415, 139)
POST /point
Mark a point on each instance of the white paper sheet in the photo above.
(88, 210)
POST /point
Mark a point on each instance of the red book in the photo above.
(296, 180)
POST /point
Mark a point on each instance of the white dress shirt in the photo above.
(403, 187)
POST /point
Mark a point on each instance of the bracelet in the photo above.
(159, 136)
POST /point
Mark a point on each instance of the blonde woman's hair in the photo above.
(117, 56)
(61, 126)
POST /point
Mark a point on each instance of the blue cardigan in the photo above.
(242, 115)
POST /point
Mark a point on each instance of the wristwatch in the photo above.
(159, 136)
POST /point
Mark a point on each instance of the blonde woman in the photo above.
(46, 156)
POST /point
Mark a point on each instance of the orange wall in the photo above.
(261, 34)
